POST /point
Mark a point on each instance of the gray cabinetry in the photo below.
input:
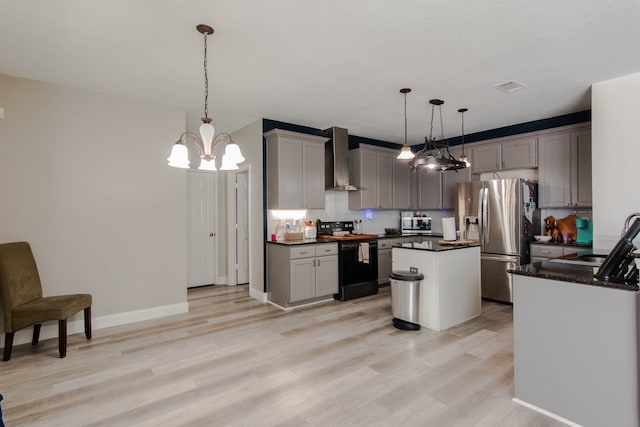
(429, 190)
(401, 185)
(543, 252)
(301, 273)
(296, 174)
(372, 170)
(516, 153)
(564, 172)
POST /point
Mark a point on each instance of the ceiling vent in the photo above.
(510, 86)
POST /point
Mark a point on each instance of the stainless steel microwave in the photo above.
(416, 224)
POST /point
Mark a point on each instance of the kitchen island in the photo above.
(450, 291)
(576, 344)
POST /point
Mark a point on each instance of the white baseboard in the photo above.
(76, 326)
(256, 294)
(545, 412)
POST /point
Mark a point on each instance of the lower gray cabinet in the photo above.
(301, 273)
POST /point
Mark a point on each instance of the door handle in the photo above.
(212, 234)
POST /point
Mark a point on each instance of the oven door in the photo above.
(357, 278)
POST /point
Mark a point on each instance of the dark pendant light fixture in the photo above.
(405, 152)
(435, 155)
(206, 144)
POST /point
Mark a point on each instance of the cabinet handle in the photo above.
(546, 252)
(314, 262)
(303, 252)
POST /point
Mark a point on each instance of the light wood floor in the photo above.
(234, 361)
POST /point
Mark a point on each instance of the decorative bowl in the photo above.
(542, 238)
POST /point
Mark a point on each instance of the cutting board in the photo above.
(456, 242)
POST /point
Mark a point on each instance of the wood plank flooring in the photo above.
(232, 361)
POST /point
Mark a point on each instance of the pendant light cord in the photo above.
(405, 118)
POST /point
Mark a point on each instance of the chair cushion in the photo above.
(57, 307)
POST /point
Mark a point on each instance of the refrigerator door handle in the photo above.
(485, 213)
(501, 258)
(480, 217)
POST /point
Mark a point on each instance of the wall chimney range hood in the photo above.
(336, 160)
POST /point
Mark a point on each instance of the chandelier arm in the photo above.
(199, 145)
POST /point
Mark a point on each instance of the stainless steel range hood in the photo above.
(336, 160)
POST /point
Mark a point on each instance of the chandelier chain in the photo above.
(206, 79)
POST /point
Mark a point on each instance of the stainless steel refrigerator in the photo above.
(501, 215)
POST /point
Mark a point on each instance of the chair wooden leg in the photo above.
(8, 344)
(62, 337)
(36, 333)
(87, 322)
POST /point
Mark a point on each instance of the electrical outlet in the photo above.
(413, 269)
(1, 113)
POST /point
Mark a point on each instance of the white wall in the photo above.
(84, 179)
(249, 138)
(615, 151)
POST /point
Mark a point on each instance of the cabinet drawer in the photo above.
(545, 251)
(384, 244)
(302, 251)
(327, 249)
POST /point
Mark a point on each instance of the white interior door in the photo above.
(242, 227)
(201, 235)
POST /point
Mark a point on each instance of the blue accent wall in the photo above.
(536, 125)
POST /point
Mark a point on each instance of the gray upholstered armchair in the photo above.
(24, 304)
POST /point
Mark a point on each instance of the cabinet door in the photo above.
(384, 177)
(384, 265)
(429, 190)
(520, 153)
(303, 279)
(450, 181)
(326, 275)
(581, 168)
(313, 175)
(486, 158)
(367, 182)
(401, 184)
(285, 173)
(554, 170)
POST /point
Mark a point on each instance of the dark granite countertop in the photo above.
(434, 246)
(568, 273)
(318, 241)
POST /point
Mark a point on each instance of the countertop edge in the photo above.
(570, 274)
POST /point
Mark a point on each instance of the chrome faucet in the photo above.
(628, 221)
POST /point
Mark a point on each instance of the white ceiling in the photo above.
(324, 63)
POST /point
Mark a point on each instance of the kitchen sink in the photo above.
(590, 260)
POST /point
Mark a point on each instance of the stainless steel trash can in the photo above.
(405, 299)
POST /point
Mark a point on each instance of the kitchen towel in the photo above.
(449, 228)
(363, 253)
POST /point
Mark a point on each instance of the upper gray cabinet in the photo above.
(383, 180)
(401, 184)
(564, 173)
(515, 153)
(295, 170)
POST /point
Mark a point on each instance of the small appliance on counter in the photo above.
(413, 223)
(585, 231)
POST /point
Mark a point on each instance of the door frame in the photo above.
(231, 221)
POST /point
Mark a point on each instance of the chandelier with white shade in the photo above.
(208, 144)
